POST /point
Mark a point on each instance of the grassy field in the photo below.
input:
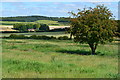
(11, 22)
(48, 22)
(57, 59)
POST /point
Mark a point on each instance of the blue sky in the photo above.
(54, 9)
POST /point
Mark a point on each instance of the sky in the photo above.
(59, 0)
(50, 8)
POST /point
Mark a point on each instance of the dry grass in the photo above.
(6, 28)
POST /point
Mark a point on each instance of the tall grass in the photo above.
(57, 59)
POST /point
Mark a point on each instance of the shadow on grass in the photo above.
(80, 52)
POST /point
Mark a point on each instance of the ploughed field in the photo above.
(31, 58)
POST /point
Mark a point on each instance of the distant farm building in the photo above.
(58, 27)
(31, 29)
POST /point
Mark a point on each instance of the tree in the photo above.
(93, 26)
(37, 26)
(30, 26)
(71, 32)
(44, 27)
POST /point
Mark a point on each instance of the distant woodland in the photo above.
(34, 18)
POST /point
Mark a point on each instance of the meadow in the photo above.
(30, 58)
(11, 22)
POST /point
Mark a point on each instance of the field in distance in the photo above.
(48, 22)
(6, 28)
(8, 25)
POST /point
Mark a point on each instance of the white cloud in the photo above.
(70, 5)
(105, 3)
(59, 0)
(99, 0)
(22, 0)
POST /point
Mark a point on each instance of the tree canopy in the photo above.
(25, 27)
(93, 26)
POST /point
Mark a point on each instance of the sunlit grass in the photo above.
(48, 22)
(57, 59)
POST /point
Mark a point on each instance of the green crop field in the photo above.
(48, 22)
(12, 22)
(57, 59)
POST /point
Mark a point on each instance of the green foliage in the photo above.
(34, 37)
(36, 26)
(44, 27)
(44, 37)
(24, 27)
(63, 38)
(118, 21)
(52, 37)
(93, 26)
(118, 26)
(14, 36)
(49, 37)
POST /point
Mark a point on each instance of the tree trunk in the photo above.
(70, 36)
(93, 51)
(93, 48)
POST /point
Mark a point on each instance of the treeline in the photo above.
(33, 18)
(43, 37)
(30, 27)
